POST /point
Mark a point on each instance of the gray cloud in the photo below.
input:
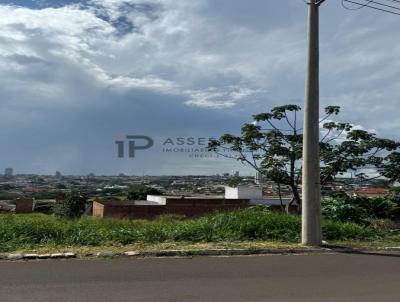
(80, 73)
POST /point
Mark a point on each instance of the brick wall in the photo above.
(98, 209)
(24, 205)
(188, 207)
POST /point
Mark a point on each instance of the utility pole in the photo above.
(311, 191)
(311, 187)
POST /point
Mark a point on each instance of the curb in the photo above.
(31, 256)
(228, 252)
(192, 253)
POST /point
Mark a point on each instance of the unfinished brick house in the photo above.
(187, 206)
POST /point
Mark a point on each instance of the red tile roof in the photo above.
(372, 191)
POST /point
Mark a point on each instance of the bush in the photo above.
(45, 209)
(343, 210)
(334, 230)
(233, 181)
(381, 208)
(73, 206)
(359, 209)
(140, 192)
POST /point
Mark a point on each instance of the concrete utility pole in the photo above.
(311, 191)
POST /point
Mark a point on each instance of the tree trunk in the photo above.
(296, 198)
(287, 208)
(280, 197)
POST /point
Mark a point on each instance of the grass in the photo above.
(249, 227)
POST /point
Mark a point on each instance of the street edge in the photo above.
(203, 252)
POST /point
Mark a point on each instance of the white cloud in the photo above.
(216, 98)
(201, 54)
(165, 46)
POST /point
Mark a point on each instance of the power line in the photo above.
(368, 4)
(356, 8)
(385, 5)
(378, 2)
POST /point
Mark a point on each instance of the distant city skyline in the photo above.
(232, 173)
(79, 73)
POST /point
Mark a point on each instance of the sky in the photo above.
(78, 75)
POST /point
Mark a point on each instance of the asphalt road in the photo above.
(339, 277)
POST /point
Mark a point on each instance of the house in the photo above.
(189, 206)
(255, 195)
(186, 206)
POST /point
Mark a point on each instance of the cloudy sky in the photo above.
(75, 75)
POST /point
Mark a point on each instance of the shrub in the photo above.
(44, 208)
(343, 210)
(334, 230)
(73, 206)
(381, 208)
(359, 209)
(140, 192)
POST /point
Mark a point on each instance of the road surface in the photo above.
(338, 277)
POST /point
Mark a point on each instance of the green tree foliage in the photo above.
(359, 209)
(233, 181)
(340, 209)
(272, 145)
(390, 167)
(73, 206)
(140, 192)
(48, 195)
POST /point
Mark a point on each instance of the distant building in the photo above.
(254, 195)
(58, 174)
(236, 173)
(8, 172)
(226, 174)
(161, 205)
(243, 192)
(258, 178)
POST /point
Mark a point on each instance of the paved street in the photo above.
(299, 278)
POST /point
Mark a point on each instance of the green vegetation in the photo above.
(48, 195)
(18, 232)
(344, 208)
(273, 146)
(140, 192)
(73, 206)
(233, 181)
(9, 196)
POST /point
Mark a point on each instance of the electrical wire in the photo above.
(385, 5)
(355, 8)
(368, 4)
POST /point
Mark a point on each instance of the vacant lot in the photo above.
(35, 231)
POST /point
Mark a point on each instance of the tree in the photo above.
(73, 206)
(140, 192)
(390, 167)
(272, 145)
(233, 181)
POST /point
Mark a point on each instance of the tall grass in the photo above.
(30, 231)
